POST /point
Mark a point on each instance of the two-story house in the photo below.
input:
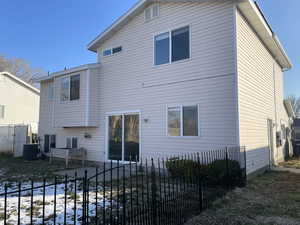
(173, 76)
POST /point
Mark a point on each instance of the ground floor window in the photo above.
(49, 142)
(183, 120)
(72, 142)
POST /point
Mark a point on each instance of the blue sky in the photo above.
(53, 34)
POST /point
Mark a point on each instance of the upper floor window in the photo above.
(183, 121)
(112, 51)
(107, 52)
(172, 46)
(70, 88)
(151, 12)
(50, 91)
(2, 111)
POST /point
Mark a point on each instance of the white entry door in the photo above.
(123, 139)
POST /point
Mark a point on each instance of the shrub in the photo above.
(185, 168)
(217, 172)
(214, 173)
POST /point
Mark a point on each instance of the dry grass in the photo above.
(17, 169)
(291, 163)
(270, 199)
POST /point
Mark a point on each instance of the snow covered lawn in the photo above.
(25, 203)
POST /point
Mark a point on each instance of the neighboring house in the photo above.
(19, 102)
(19, 113)
(172, 77)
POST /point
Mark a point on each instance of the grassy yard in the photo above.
(291, 163)
(270, 199)
(17, 169)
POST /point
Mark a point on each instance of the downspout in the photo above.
(275, 107)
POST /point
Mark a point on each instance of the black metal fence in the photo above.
(156, 192)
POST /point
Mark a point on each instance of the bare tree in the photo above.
(20, 68)
(295, 102)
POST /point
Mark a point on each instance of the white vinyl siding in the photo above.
(260, 96)
(129, 81)
(20, 103)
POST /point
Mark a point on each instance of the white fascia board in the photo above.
(68, 71)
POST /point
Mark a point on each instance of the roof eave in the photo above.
(93, 45)
(256, 18)
(67, 71)
(21, 81)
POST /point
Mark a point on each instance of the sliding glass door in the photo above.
(124, 137)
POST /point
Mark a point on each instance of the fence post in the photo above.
(84, 200)
(153, 195)
(227, 167)
(200, 185)
(245, 161)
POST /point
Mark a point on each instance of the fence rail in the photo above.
(149, 192)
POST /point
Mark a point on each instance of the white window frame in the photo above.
(2, 112)
(170, 45)
(69, 78)
(181, 106)
(111, 51)
(71, 137)
(122, 113)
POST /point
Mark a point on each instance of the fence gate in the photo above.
(6, 138)
(20, 138)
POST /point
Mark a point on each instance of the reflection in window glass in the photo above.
(107, 52)
(174, 119)
(74, 142)
(69, 143)
(190, 121)
(162, 49)
(65, 89)
(117, 49)
(75, 87)
(180, 44)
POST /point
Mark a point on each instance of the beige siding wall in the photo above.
(56, 114)
(70, 113)
(21, 103)
(258, 76)
(129, 81)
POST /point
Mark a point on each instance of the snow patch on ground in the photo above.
(25, 204)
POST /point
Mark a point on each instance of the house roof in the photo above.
(68, 71)
(250, 10)
(20, 81)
